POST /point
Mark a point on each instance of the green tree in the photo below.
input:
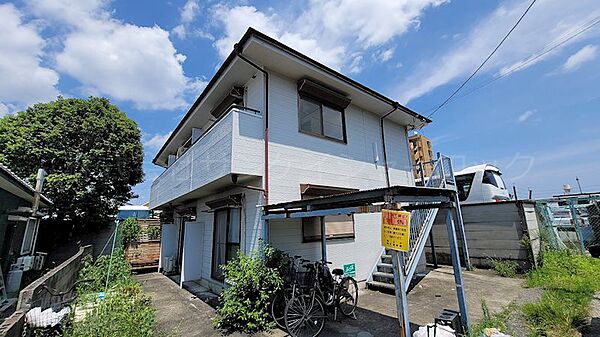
(90, 149)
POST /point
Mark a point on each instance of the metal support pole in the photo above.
(458, 279)
(576, 223)
(433, 255)
(463, 237)
(323, 239)
(401, 299)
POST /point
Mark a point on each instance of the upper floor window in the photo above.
(321, 110)
(319, 119)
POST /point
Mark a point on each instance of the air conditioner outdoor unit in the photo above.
(24, 263)
(169, 264)
(38, 261)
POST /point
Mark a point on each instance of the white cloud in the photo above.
(24, 80)
(109, 57)
(326, 30)
(187, 14)
(526, 115)
(548, 21)
(156, 142)
(384, 55)
(189, 11)
(585, 54)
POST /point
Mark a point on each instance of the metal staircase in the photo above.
(421, 221)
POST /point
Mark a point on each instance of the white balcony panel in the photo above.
(233, 145)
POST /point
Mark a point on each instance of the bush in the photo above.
(125, 311)
(120, 272)
(153, 232)
(130, 231)
(505, 268)
(244, 305)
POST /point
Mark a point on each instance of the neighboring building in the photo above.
(18, 227)
(319, 134)
(133, 211)
(421, 153)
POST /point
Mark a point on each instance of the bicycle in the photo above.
(50, 321)
(291, 283)
(306, 312)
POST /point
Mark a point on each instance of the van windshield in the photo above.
(463, 185)
(493, 178)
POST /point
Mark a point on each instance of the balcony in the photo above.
(233, 145)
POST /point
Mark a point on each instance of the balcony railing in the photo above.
(231, 145)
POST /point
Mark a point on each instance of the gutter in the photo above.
(395, 106)
(238, 51)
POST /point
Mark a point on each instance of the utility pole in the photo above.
(39, 184)
(578, 184)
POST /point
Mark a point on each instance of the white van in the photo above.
(480, 183)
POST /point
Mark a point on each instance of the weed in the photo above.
(489, 320)
(570, 280)
(505, 268)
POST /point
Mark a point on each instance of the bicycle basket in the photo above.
(305, 279)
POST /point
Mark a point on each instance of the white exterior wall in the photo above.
(297, 158)
(232, 146)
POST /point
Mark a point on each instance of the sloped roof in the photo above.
(12, 178)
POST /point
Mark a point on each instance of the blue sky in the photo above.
(534, 109)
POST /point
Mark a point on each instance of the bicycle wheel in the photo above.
(278, 307)
(304, 316)
(348, 296)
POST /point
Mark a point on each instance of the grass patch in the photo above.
(570, 280)
(125, 310)
(506, 268)
(490, 320)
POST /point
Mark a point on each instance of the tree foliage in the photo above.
(90, 149)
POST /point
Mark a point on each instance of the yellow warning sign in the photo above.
(395, 229)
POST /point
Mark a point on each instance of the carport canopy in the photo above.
(373, 201)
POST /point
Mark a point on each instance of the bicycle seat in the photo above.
(338, 272)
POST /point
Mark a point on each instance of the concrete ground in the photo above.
(182, 314)
(179, 313)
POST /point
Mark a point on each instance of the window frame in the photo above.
(322, 133)
(32, 223)
(460, 188)
(227, 243)
(352, 235)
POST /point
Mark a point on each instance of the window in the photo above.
(463, 185)
(321, 120)
(336, 226)
(29, 237)
(226, 238)
(493, 178)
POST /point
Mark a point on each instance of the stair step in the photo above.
(383, 275)
(377, 284)
(385, 265)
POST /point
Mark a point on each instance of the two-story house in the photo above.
(274, 125)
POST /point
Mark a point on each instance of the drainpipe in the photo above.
(395, 107)
(238, 51)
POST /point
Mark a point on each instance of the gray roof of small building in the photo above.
(16, 180)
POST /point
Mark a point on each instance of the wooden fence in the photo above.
(146, 252)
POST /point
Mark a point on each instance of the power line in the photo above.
(485, 61)
(533, 58)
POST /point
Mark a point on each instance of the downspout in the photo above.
(238, 51)
(395, 106)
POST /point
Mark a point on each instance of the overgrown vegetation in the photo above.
(570, 280)
(244, 304)
(153, 232)
(505, 268)
(125, 309)
(131, 231)
(490, 320)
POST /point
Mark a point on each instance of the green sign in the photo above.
(350, 270)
